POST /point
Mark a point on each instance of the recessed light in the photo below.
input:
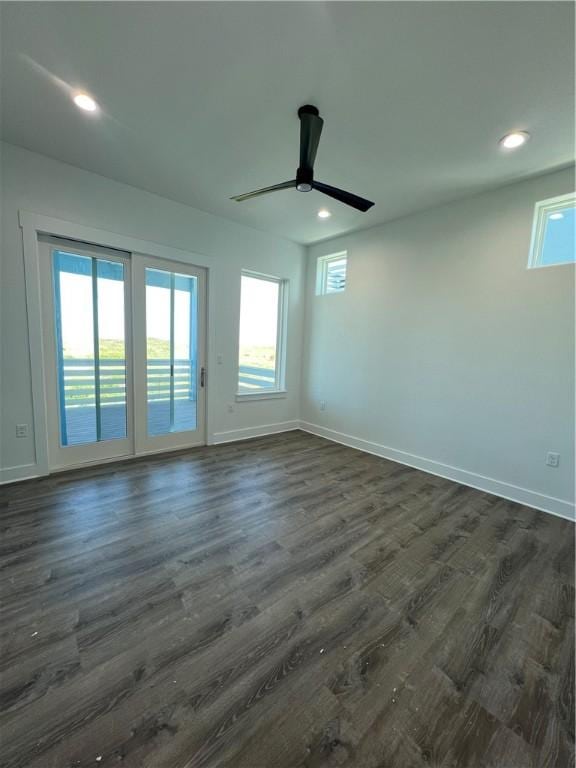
(556, 216)
(514, 139)
(85, 102)
(324, 214)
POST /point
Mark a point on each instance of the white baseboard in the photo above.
(22, 472)
(550, 504)
(30, 471)
(245, 434)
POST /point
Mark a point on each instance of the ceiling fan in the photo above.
(310, 129)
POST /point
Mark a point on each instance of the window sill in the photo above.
(274, 395)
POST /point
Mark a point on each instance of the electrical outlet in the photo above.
(230, 408)
(219, 359)
(323, 405)
(21, 430)
(552, 459)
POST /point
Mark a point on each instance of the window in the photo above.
(331, 274)
(553, 232)
(262, 335)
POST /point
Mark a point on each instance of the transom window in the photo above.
(262, 335)
(331, 273)
(553, 232)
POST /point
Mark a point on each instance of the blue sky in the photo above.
(558, 247)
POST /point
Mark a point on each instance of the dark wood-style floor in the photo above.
(282, 603)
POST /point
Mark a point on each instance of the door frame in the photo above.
(34, 225)
(144, 443)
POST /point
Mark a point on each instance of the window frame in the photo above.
(322, 263)
(280, 389)
(541, 211)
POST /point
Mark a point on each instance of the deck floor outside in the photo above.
(81, 420)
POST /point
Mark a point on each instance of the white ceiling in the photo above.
(199, 99)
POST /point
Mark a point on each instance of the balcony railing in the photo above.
(79, 381)
(79, 390)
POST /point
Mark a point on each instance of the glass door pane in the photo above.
(158, 335)
(112, 350)
(185, 319)
(171, 354)
(89, 317)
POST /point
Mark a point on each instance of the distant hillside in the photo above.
(114, 349)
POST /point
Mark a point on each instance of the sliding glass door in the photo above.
(87, 345)
(124, 352)
(171, 333)
(171, 309)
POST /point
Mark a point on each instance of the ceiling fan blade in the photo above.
(344, 197)
(264, 191)
(310, 129)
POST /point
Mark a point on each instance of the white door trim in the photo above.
(33, 225)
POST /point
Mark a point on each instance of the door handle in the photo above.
(202, 377)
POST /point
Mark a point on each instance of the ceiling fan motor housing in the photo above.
(304, 178)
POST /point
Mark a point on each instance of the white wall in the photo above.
(36, 183)
(446, 352)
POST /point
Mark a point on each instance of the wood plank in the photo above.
(285, 602)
